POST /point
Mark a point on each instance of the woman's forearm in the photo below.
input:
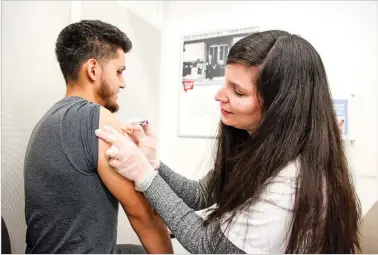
(193, 193)
(185, 224)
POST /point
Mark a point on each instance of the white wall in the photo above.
(344, 33)
(31, 82)
(149, 11)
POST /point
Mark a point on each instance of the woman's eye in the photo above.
(237, 93)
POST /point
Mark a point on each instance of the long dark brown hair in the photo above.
(299, 123)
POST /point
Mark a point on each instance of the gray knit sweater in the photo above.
(176, 199)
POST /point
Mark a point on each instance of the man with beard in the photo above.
(71, 192)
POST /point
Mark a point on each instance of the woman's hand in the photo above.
(145, 140)
(126, 158)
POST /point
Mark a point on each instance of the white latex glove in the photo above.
(126, 158)
(145, 140)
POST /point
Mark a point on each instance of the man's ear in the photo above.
(93, 69)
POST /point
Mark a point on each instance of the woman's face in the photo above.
(239, 102)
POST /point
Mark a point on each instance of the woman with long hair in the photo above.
(280, 182)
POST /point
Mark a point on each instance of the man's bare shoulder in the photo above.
(123, 189)
(104, 169)
(108, 119)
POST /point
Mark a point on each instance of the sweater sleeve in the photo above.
(193, 193)
(185, 224)
(262, 227)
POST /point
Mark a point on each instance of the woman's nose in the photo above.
(221, 96)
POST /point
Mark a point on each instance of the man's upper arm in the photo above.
(122, 189)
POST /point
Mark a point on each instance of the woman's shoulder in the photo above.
(262, 228)
(280, 190)
(291, 170)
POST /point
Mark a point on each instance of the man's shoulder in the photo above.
(70, 106)
(77, 112)
(106, 119)
(109, 119)
(77, 104)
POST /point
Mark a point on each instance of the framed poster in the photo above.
(203, 68)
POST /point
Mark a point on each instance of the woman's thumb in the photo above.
(139, 134)
(147, 129)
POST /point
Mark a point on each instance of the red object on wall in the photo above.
(188, 85)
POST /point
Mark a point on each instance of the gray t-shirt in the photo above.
(67, 207)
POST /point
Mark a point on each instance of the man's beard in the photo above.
(105, 93)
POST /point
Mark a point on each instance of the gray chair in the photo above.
(129, 249)
(5, 240)
(369, 231)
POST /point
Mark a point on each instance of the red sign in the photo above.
(188, 85)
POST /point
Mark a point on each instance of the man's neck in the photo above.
(83, 91)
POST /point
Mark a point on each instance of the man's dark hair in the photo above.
(87, 39)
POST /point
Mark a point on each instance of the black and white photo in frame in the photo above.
(204, 58)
